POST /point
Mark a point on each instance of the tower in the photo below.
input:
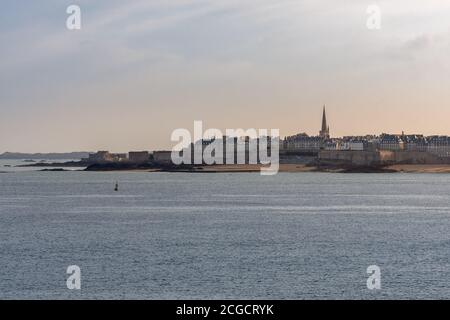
(325, 131)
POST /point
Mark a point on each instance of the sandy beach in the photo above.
(304, 168)
(418, 168)
(243, 168)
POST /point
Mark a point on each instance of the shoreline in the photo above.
(294, 168)
(301, 168)
(245, 168)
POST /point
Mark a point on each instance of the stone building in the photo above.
(138, 156)
(162, 157)
(100, 157)
(392, 142)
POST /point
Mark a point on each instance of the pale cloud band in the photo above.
(146, 67)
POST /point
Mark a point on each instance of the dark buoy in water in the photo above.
(116, 188)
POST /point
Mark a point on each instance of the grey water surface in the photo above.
(222, 235)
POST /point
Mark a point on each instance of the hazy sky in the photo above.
(137, 70)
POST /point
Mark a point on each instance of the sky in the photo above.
(137, 70)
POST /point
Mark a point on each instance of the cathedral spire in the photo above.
(325, 131)
(324, 120)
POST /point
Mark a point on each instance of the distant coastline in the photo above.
(44, 156)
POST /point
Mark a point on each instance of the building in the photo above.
(301, 143)
(230, 150)
(333, 144)
(100, 157)
(119, 157)
(392, 142)
(138, 156)
(162, 157)
(106, 156)
(353, 144)
(415, 142)
(304, 144)
(439, 145)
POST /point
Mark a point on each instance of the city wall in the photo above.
(373, 158)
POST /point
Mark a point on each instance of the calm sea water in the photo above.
(175, 235)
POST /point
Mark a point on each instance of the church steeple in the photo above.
(325, 131)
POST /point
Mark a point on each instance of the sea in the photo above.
(223, 235)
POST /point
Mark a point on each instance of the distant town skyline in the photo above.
(138, 70)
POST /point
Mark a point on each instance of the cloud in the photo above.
(182, 56)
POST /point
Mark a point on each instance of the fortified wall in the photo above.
(374, 158)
